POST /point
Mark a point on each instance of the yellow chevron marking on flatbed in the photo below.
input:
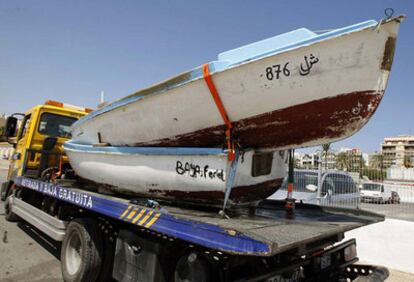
(125, 212)
(139, 215)
(131, 214)
(146, 217)
(154, 219)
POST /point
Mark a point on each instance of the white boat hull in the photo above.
(306, 95)
(165, 173)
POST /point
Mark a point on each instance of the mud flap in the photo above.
(4, 190)
(137, 259)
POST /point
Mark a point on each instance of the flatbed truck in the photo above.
(106, 237)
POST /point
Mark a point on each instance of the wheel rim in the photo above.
(73, 254)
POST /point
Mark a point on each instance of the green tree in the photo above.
(350, 161)
(374, 174)
(377, 161)
(325, 150)
(343, 161)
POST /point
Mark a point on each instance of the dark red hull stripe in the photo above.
(239, 194)
(330, 118)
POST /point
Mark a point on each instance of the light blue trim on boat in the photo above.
(231, 58)
(286, 41)
(265, 46)
(72, 146)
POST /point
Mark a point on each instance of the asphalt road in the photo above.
(28, 255)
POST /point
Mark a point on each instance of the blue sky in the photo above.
(71, 50)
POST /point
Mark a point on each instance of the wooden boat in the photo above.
(181, 174)
(293, 90)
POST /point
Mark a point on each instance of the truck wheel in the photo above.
(192, 267)
(81, 253)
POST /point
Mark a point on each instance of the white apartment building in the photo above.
(397, 150)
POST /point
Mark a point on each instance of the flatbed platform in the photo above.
(264, 230)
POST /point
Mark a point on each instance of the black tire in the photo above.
(81, 253)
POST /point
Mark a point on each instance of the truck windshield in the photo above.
(371, 187)
(55, 125)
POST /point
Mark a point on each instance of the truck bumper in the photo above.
(371, 199)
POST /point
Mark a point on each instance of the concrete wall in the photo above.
(400, 173)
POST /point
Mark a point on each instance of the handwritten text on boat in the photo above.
(195, 171)
(276, 71)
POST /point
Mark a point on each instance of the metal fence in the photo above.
(323, 187)
(348, 181)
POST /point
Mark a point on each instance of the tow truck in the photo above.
(106, 237)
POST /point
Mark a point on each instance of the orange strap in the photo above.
(59, 172)
(222, 110)
(290, 187)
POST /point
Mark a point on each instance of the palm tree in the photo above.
(325, 149)
(376, 160)
(343, 161)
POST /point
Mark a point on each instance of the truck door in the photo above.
(22, 138)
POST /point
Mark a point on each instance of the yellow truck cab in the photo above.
(38, 140)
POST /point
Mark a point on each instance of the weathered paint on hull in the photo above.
(329, 99)
(190, 177)
(240, 195)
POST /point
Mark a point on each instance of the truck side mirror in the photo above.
(11, 127)
(311, 187)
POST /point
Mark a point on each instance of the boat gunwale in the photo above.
(125, 150)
